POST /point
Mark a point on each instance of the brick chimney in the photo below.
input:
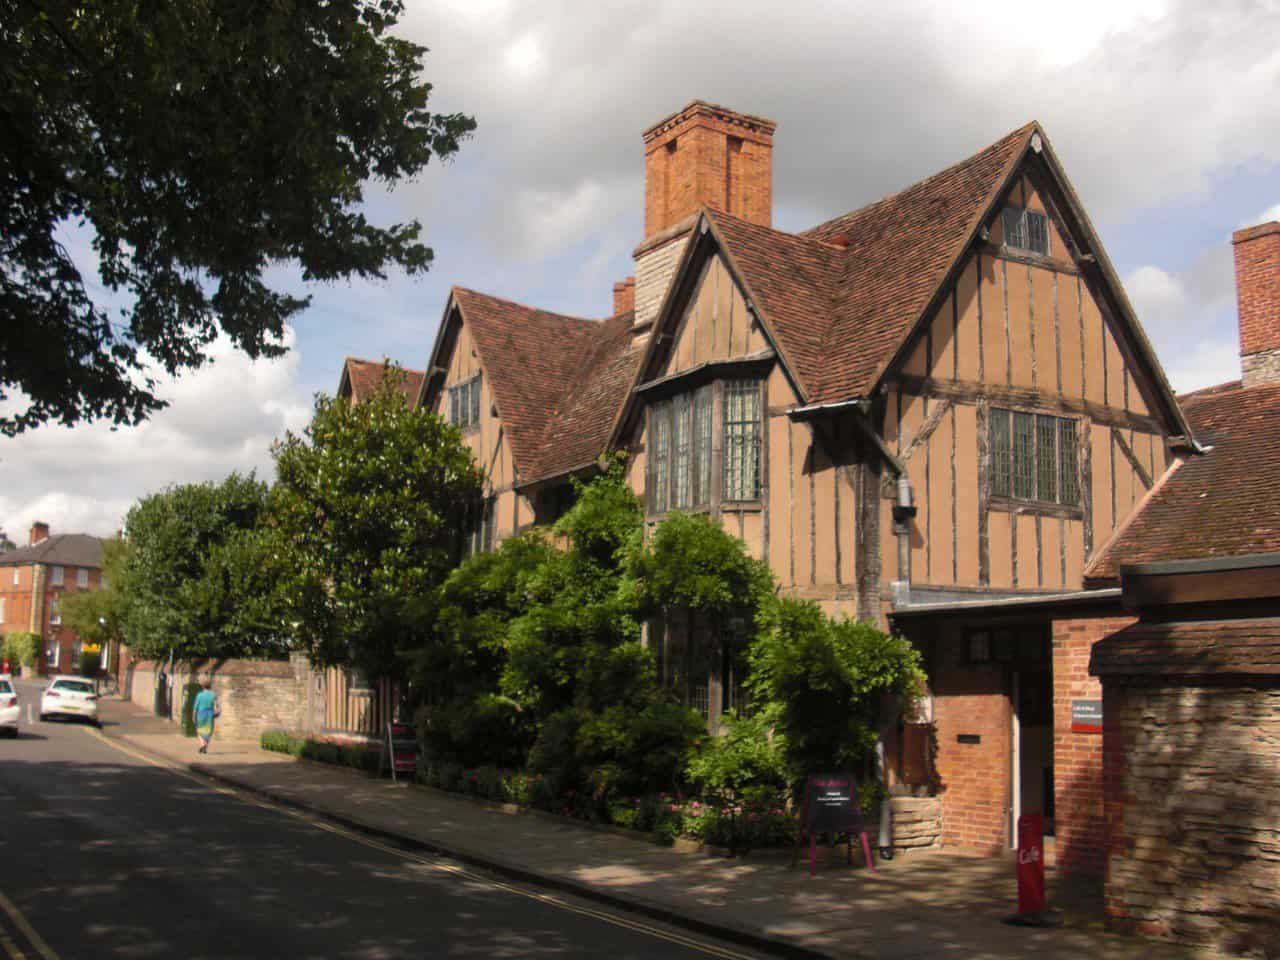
(707, 155)
(704, 155)
(1257, 251)
(39, 531)
(624, 296)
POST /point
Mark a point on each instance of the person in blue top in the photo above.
(204, 710)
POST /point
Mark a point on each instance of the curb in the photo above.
(737, 935)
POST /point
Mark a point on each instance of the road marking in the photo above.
(26, 930)
(11, 948)
(628, 923)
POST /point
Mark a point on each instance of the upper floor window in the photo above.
(57, 575)
(742, 440)
(464, 404)
(1034, 457)
(2, 614)
(681, 437)
(55, 611)
(17, 575)
(1026, 230)
(82, 577)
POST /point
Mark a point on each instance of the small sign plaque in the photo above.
(1086, 716)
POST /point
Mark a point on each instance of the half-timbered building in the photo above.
(933, 410)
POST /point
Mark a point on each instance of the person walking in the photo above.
(205, 711)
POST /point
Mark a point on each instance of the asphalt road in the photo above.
(103, 854)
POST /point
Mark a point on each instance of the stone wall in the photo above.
(1193, 808)
(917, 822)
(253, 695)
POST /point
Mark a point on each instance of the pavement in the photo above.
(930, 904)
(108, 851)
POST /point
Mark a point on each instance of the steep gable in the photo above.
(361, 377)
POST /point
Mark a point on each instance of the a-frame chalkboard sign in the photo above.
(831, 806)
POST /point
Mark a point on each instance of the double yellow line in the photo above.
(628, 923)
(15, 952)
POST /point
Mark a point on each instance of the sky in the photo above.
(1163, 113)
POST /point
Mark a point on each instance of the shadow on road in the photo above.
(119, 860)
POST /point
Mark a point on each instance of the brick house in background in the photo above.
(931, 412)
(33, 580)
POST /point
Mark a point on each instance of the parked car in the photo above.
(9, 708)
(70, 697)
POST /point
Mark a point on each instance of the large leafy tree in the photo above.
(367, 505)
(199, 576)
(197, 143)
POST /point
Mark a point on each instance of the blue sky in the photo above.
(1162, 111)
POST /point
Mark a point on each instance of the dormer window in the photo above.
(464, 404)
(1025, 230)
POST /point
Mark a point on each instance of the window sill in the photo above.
(741, 506)
(1035, 508)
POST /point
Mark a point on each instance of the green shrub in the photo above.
(822, 682)
(275, 740)
(22, 648)
(188, 707)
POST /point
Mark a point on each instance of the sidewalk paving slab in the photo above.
(926, 904)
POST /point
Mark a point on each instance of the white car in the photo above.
(9, 708)
(70, 697)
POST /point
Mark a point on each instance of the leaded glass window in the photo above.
(1034, 457)
(464, 404)
(742, 440)
(702, 446)
(1025, 230)
(681, 481)
(660, 459)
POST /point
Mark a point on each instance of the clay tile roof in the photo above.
(1191, 648)
(365, 375)
(1225, 503)
(898, 250)
(793, 280)
(579, 431)
(66, 549)
(539, 364)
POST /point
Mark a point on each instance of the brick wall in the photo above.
(1079, 816)
(975, 779)
(1192, 802)
(1257, 257)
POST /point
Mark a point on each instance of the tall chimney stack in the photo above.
(1257, 253)
(703, 155)
(39, 531)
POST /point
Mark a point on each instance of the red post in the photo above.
(1031, 892)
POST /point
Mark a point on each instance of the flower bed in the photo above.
(759, 819)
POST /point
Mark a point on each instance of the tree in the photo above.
(366, 506)
(820, 681)
(199, 575)
(199, 144)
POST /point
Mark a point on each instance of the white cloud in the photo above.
(1146, 101)
(1266, 216)
(222, 417)
(1190, 318)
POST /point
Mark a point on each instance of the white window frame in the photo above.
(17, 575)
(82, 578)
(55, 612)
(2, 610)
(57, 575)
